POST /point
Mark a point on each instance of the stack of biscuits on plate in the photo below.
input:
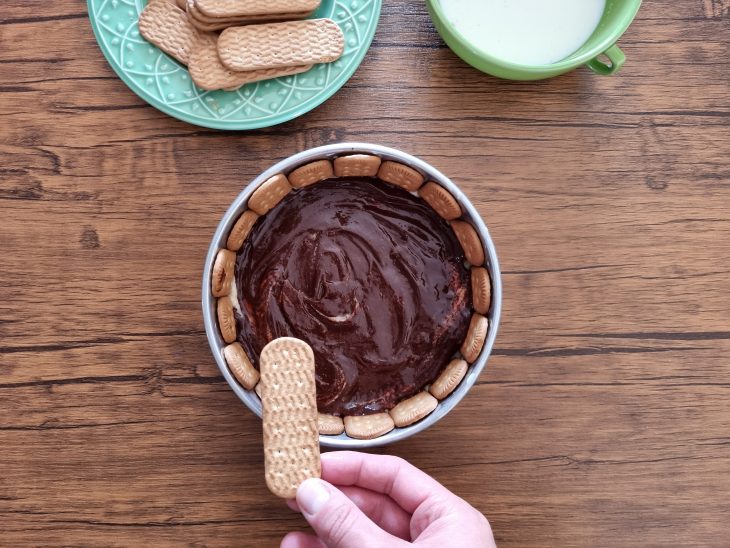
(228, 43)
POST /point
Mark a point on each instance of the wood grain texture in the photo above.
(602, 418)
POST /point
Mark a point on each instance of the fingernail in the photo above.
(312, 495)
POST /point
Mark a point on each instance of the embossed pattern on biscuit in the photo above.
(368, 427)
(208, 72)
(233, 8)
(400, 175)
(209, 27)
(193, 10)
(220, 24)
(223, 270)
(470, 242)
(481, 289)
(288, 394)
(440, 200)
(475, 337)
(207, 23)
(167, 27)
(240, 229)
(286, 44)
(226, 319)
(357, 165)
(330, 425)
(449, 378)
(269, 194)
(413, 409)
(311, 173)
(240, 365)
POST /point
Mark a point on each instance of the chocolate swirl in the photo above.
(369, 276)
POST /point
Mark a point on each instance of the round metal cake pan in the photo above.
(217, 344)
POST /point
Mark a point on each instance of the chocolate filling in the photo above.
(370, 276)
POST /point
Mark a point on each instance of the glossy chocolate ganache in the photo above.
(370, 276)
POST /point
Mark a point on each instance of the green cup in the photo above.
(616, 18)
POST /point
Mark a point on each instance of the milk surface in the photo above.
(525, 32)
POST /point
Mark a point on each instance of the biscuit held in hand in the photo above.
(289, 402)
(383, 501)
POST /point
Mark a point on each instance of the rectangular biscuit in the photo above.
(368, 427)
(208, 72)
(357, 165)
(440, 200)
(290, 418)
(206, 23)
(226, 319)
(167, 27)
(470, 242)
(475, 338)
(330, 425)
(400, 175)
(449, 378)
(481, 289)
(285, 44)
(221, 24)
(413, 409)
(311, 173)
(240, 230)
(269, 193)
(222, 275)
(235, 8)
(240, 365)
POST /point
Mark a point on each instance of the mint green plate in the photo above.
(165, 84)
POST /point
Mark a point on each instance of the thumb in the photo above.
(336, 519)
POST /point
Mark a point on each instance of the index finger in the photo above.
(408, 486)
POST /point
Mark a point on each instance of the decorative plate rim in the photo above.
(239, 125)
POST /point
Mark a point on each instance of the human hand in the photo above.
(383, 501)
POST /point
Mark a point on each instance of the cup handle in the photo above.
(615, 56)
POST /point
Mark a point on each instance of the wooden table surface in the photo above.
(603, 417)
